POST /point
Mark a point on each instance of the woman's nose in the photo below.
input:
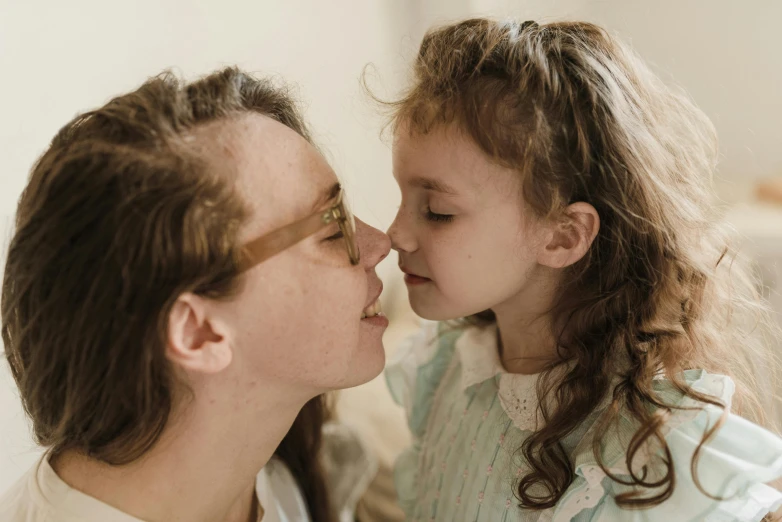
(373, 244)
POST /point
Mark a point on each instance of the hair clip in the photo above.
(529, 23)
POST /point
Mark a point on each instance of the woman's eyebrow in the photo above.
(327, 195)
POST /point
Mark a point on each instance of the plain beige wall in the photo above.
(728, 55)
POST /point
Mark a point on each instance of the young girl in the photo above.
(555, 197)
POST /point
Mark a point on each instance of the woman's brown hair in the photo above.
(120, 216)
(579, 117)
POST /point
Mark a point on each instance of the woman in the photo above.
(184, 283)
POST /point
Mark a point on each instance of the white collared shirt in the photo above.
(42, 496)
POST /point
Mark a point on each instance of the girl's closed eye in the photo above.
(438, 218)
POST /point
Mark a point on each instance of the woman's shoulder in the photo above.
(279, 493)
(729, 481)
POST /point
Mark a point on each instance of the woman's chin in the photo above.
(369, 361)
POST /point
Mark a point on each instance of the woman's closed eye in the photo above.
(335, 236)
(438, 218)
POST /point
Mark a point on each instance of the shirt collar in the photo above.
(479, 355)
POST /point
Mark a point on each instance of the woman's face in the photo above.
(297, 321)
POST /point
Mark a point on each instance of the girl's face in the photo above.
(466, 242)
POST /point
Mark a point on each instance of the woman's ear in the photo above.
(196, 341)
(570, 237)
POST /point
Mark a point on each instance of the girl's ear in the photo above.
(570, 237)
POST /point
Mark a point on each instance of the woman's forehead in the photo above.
(280, 175)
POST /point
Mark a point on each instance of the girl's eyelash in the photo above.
(438, 218)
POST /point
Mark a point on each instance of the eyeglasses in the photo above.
(259, 250)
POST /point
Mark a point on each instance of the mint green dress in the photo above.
(468, 417)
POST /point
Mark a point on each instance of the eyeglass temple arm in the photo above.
(275, 242)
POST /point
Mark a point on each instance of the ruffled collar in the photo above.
(479, 355)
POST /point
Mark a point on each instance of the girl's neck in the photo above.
(525, 348)
(526, 340)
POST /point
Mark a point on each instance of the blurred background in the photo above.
(61, 58)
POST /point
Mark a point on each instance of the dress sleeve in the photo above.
(734, 468)
(415, 372)
(413, 376)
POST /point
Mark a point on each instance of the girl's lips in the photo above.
(414, 280)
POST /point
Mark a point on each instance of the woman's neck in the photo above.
(202, 469)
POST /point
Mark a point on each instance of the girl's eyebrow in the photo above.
(433, 184)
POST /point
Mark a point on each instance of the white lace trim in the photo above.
(588, 495)
(519, 400)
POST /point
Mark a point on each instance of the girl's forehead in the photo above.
(449, 163)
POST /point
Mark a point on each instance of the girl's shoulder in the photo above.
(731, 476)
(415, 370)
